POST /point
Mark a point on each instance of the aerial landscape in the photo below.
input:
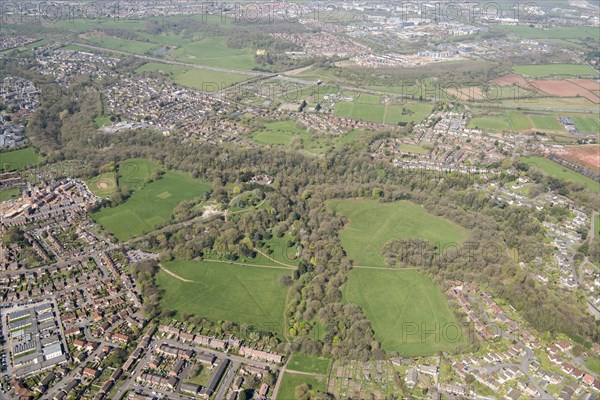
(300, 200)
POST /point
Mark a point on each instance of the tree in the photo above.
(302, 391)
(13, 235)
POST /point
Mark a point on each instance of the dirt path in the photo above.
(174, 275)
(275, 261)
(249, 265)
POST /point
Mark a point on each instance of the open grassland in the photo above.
(150, 206)
(373, 224)
(308, 363)
(214, 52)
(205, 80)
(558, 171)
(220, 291)
(555, 70)
(17, 160)
(291, 380)
(103, 185)
(403, 305)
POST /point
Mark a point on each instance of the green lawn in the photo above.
(214, 52)
(103, 185)
(9, 194)
(407, 311)
(129, 46)
(546, 123)
(150, 206)
(518, 120)
(411, 148)
(373, 224)
(495, 122)
(555, 70)
(133, 173)
(102, 120)
(558, 171)
(290, 381)
(590, 125)
(222, 291)
(279, 133)
(384, 113)
(308, 363)
(593, 364)
(17, 160)
(205, 80)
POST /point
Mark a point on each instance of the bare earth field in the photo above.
(586, 156)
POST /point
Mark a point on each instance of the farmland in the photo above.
(401, 305)
(221, 291)
(590, 125)
(555, 70)
(373, 224)
(19, 159)
(205, 80)
(558, 171)
(150, 205)
(129, 46)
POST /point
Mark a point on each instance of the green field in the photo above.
(103, 185)
(214, 52)
(363, 108)
(290, 381)
(495, 122)
(555, 70)
(593, 364)
(205, 80)
(558, 171)
(373, 224)
(403, 306)
(9, 194)
(133, 173)
(282, 133)
(555, 32)
(17, 160)
(546, 123)
(222, 291)
(411, 148)
(102, 120)
(150, 206)
(129, 46)
(590, 125)
(307, 363)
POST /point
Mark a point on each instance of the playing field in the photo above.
(214, 52)
(150, 206)
(407, 311)
(103, 185)
(373, 224)
(290, 381)
(129, 46)
(556, 32)
(279, 133)
(307, 363)
(134, 172)
(546, 123)
(588, 125)
(17, 160)
(221, 291)
(555, 70)
(554, 169)
(364, 108)
(205, 80)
